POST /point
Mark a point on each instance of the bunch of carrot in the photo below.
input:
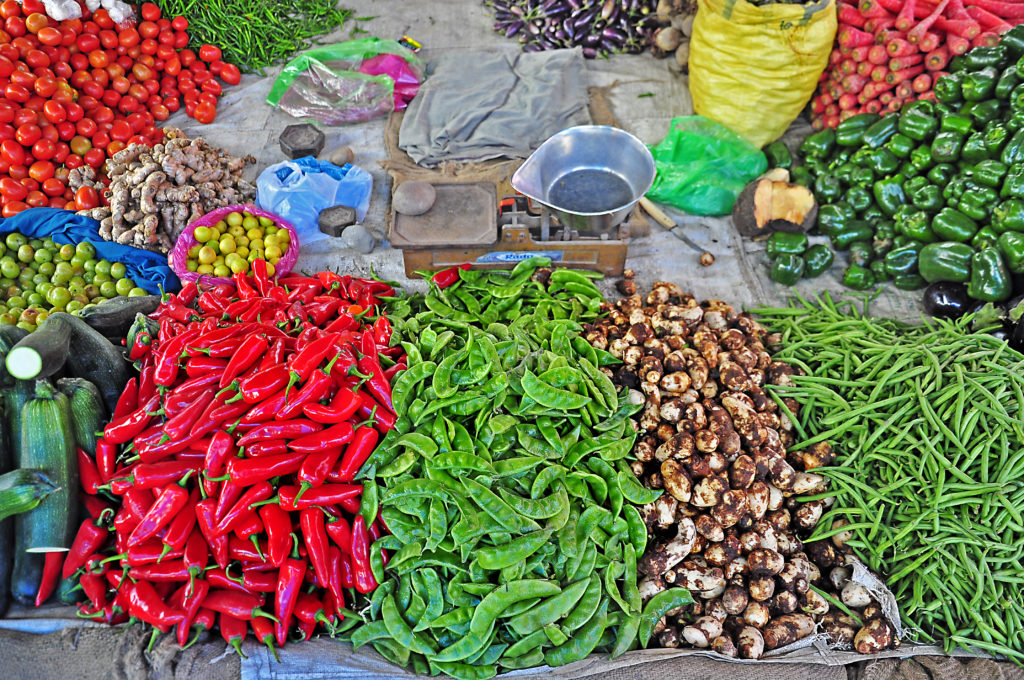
(890, 52)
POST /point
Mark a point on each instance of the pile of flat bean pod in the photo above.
(505, 484)
(927, 423)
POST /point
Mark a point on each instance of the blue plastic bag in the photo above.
(149, 270)
(298, 190)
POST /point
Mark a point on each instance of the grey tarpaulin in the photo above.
(481, 105)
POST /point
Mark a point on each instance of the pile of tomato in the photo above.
(75, 92)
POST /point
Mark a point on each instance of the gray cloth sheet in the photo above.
(479, 105)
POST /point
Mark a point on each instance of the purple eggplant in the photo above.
(589, 53)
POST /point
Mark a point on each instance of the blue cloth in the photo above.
(149, 270)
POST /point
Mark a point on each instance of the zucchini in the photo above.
(15, 398)
(95, 359)
(88, 413)
(26, 574)
(6, 526)
(22, 490)
(115, 316)
(48, 444)
(9, 337)
(42, 353)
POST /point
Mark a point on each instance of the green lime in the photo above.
(44, 288)
(25, 278)
(8, 319)
(99, 277)
(234, 219)
(202, 234)
(108, 289)
(40, 278)
(250, 222)
(266, 222)
(36, 243)
(88, 265)
(43, 255)
(118, 270)
(26, 253)
(35, 299)
(66, 252)
(124, 286)
(9, 267)
(15, 240)
(42, 316)
(103, 267)
(137, 292)
(3, 248)
(89, 277)
(86, 250)
(73, 306)
(191, 265)
(16, 302)
(47, 268)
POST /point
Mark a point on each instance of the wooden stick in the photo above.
(657, 213)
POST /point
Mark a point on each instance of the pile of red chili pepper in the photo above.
(230, 461)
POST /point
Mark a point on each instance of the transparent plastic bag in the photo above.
(702, 166)
(348, 82)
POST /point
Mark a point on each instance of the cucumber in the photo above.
(48, 444)
(9, 337)
(6, 526)
(15, 398)
(26, 574)
(42, 353)
(95, 359)
(115, 316)
(22, 490)
(88, 413)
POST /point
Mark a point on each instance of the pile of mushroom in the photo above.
(729, 526)
(155, 192)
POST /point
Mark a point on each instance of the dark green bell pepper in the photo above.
(946, 147)
(1009, 216)
(860, 198)
(953, 225)
(956, 122)
(983, 56)
(855, 230)
(979, 85)
(873, 215)
(941, 174)
(989, 173)
(858, 278)
(802, 176)
(783, 242)
(877, 268)
(957, 64)
(949, 89)
(851, 131)
(860, 253)
(883, 162)
(908, 170)
(985, 238)
(917, 123)
(914, 183)
(889, 194)
(900, 241)
(1015, 121)
(928, 198)
(1013, 152)
(844, 172)
(977, 202)
(817, 260)
(900, 145)
(1011, 245)
(996, 136)
(908, 282)
(990, 279)
(946, 261)
(975, 149)
(787, 269)
(1008, 80)
(827, 188)
(881, 131)
(1013, 185)
(944, 109)
(902, 259)
(921, 157)
(1013, 40)
(778, 155)
(833, 217)
(916, 224)
(818, 144)
(982, 112)
(955, 188)
(881, 245)
(863, 176)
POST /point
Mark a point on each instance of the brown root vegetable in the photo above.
(855, 596)
(413, 197)
(765, 562)
(750, 643)
(724, 645)
(667, 39)
(766, 205)
(875, 636)
(787, 629)
(761, 588)
(735, 599)
(702, 631)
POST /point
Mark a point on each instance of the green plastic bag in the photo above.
(703, 166)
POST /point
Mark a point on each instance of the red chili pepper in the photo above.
(88, 475)
(197, 553)
(268, 447)
(95, 588)
(246, 552)
(243, 606)
(195, 594)
(288, 429)
(220, 578)
(174, 309)
(218, 543)
(168, 363)
(305, 362)
(328, 494)
(274, 356)
(346, 575)
(383, 419)
(170, 502)
(333, 437)
(188, 293)
(222, 447)
(181, 526)
(151, 453)
(278, 524)
(249, 352)
(211, 303)
(265, 410)
(310, 609)
(331, 281)
(320, 312)
(145, 604)
(248, 527)
(141, 346)
(315, 468)
(264, 383)
(314, 390)
(248, 471)
(124, 523)
(341, 533)
(261, 276)
(158, 475)
(106, 459)
(183, 395)
(168, 570)
(129, 399)
(148, 553)
(229, 494)
(238, 512)
(447, 277)
(262, 628)
(178, 426)
(328, 414)
(147, 386)
(203, 622)
(245, 291)
(370, 366)
(344, 322)
(364, 580)
(289, 583)
(89, 539)
(96, 508)
(382, 331)
(233, 630)
(125, 428)
(138, 501)
(259, 581)
(51, 576)
(363, 442)
(314, 534)
(225, 349)
(390, 373)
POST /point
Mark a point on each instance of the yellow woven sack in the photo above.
(753, 69)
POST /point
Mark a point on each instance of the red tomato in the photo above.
(104, 114)
(32, 7)
(12, 189)
(10, 8)
(7, 112)
(115, 70)
(12, 208)
(49, 36)
(166, 38)
(29, 183)
(62, 152)
(46, 86)
(142, 72)
(153, 101)
(172, 66)
(62, 69)
(149, 11)
(100, 140)
(139, 91)
(49, 132)
(52, 186)
(15, 26)
(79, 62)
(114, 147)
(73, 161)
(102, 19)
(212, 86)
(41, 171)
(7, 131)
(18, 172)
(172, 104)
(148, 30)
(95, 158)
(190, 107)
(86, 127)
(109, 40)
(209, 53)
(230, 74)
(24, 44)
(128, 37)
(25, 117)
(44, 149)
(120, 84)
(186, 56)
(201, 77)
(12, 152)
(181, 39)
(208, 97)
(67, 36)
(28, 134)
(121, 130)
(129, 104)
(54, 112)
(87, 42)
(88, 103)
(36, 21)
(110, 97)
(75, 111)
(36, 59)
(164, 24)
(146, 59)
(92, 89)
(101, 76)
(79, 145)
(98, 59)
(152, 85)
(179, 23)
(6, 67)
(205, 112)
(191, 96)
(65, 130)
(37, 199)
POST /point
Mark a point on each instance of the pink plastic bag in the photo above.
(407, 84)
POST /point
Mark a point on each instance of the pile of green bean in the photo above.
(505, 485)
(928, 424)
(254, 35)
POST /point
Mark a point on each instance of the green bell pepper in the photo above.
(900, 145)
(949, 89)
(900, 241)
(979, 85)
(908, 282)
(862, 176)
(827, 188)
(1008, 80)
(817, 260)
(1013, 152)
(855, 230)
(916, 225)
(1016, 99)
(851, 131)
(883, 162)
(989, 173)
(1009, 216)
(877, 268)
(902, 259)
(928, 198)
(844, 172)
(860, 198)
(921, 157)
(908, 170)
(941, 174)
(955, 188)
(802, 176)
(873, 214)
(996, 136)
(914, 183)
(818, 144)
(1013, 40)
(917, 123)
(944, 109)
(858, 278)
(946, 261)
(881, 131)
(1011, 245)
(982, 112)
(990, 279)
(787, 269)
(833, 217)
(956, 64)
(860, 253)
(889, 194)
(975, 149)
(1015, 121)
(985, 238)
(956, 122)
(953, 225)
(983, 56)
(783, 242)
(880, 246)
(1013, 185)
(946, 147)
(778, 155)
(977, 202)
